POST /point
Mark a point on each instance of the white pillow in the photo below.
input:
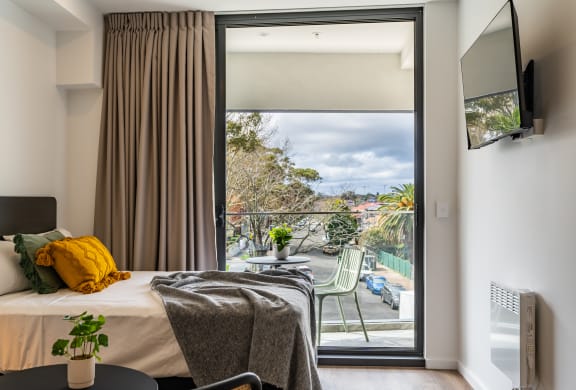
(65, 233)
(12, 277)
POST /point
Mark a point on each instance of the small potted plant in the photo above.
(82, 349)
(281, 236)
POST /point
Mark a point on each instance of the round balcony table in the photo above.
(53, 377)
(274, 262)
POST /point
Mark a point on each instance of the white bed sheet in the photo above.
(139, 330)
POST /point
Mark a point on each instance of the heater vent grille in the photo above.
(508, 299)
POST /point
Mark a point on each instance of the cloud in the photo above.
(362, 152)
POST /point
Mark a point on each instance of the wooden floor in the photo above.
(376, 378)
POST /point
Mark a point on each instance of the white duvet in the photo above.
(140, 334)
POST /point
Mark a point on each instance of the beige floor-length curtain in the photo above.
(154, 196)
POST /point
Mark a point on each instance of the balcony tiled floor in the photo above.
(401, 338)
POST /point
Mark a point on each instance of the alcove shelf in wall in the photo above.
(78, 27)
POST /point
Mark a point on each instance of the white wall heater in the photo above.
(513, 334)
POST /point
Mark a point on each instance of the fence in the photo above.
(403, 267)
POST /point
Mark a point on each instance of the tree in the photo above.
(489, 115)
(373, 238)
(341, 228)
(262, 177)
(348, 195)
(397, 222)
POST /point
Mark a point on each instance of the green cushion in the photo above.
(44, 280)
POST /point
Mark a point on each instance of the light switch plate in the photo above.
(442, 210)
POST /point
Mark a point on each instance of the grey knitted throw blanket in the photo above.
(230, 322)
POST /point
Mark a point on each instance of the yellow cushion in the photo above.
(83, 263)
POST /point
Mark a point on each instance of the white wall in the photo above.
(79, 26)
(50, 136)
(306, 81)
(82, 132)
(85, 70)
(79, 71)
(440, 127)
(518, 217)
(32, 109)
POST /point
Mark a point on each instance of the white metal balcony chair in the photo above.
(344, 282)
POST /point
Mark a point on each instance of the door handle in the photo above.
(220, 215)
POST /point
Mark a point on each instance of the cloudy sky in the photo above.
(360, 152)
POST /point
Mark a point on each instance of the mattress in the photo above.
(139, 331)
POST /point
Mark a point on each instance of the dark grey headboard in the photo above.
(27, 214)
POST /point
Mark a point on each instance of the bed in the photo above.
(141, 335)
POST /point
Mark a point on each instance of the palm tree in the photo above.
(397, 222)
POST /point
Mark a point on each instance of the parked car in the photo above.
(377, 283)
(390, 294)
(330, 250)
(368, 280)
(365, 272)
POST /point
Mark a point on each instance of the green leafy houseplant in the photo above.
(280, 235)
(86, 340)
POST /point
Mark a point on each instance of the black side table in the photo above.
(53, 377)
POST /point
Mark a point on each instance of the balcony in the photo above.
(320, 236)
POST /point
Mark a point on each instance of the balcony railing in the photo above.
(324, 231)
(320, 235)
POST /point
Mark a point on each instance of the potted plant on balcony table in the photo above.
(281, 236)
(82, 349)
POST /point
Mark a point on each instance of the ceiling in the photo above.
(340, 38)
(231, 6)
(394, 37)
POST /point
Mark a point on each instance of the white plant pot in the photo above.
(283, 254)
(81, 373)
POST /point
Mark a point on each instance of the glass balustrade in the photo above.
(386, 288)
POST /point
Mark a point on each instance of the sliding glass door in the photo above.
(319, 126)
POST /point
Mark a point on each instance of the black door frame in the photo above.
(336, 355)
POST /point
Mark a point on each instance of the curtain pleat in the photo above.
(154, 197)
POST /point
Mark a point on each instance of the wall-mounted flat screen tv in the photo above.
(494, 85)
